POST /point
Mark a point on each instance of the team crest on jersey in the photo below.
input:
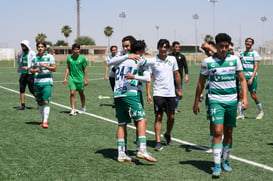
(230, 63)
(79, 61)
(170, 63)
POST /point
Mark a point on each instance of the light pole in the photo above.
(122, 15)
(213, 15)
(195, 17)
(263, 19)
(156, 27)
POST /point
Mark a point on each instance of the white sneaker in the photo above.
(73, 112)
(82, 110)
(240, 117)
(144, 154)
(122, 157)
(260, 115)
(209, 150)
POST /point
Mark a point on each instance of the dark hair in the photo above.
(129, 38)
(211, 43)
(250, 39)
(175, 43)
(75, 45)
(43, 43)
(114, 46)
(161, 42)
(222, 37)
(138, 45)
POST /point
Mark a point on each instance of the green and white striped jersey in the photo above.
(221, 78)
(248, 59)
(124, 87)
(45, 76)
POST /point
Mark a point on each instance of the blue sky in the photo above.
(24, 19)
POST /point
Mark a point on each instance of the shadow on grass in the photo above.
(110, 105)
(65, 112)
(189, 148)
(270, 144)
(33, 123)
(111, 153)
(17, 108)
(201, 165)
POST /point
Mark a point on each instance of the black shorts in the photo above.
(26, 79)
(164, 104)
(112, 82)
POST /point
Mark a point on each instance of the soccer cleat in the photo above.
(144, 154)
(168, 139)
(216, 172)
(240, 117)
(122, 157)
(260, 115)
(226, 166)
(73, 112)
(177, 111)
(82, 110)
(209, 150)
(158, 146)
(21, 108)
(44, 125)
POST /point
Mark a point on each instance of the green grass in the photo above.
(83, 147)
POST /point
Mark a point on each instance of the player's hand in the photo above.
(64, 82)
(244, 104)
(179, 93)
(85, 82)
(105, 77)
(129, 76)
(25, 68)
(134, 56)
(250, 81)
(149, 99)
(186, 79)
(196, 109)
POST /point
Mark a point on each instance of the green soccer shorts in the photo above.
(42, 92)
(76, 86)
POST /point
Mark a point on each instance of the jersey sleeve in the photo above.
(175, 65)
(204, 71)
(239, 67)
(52, 60)
(256, 56)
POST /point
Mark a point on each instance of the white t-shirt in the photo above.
(163, 76)
(110, 72)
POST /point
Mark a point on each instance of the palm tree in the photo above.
(66, 30)
(108, 31)
(40, 37)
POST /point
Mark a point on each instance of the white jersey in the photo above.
(248, 59)
(110, 72)
(221, 78)
(124, 87)
(163, 75)
(45, 76)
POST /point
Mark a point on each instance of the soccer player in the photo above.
(182, 64)
(127, 102)
(250, 60)
(109, 69)
(220, 72)
(43, 66)
(77, 71)
(164, 72)
(24, 59)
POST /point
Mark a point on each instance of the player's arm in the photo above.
(199, 90)
(256, 64)
(186, 70)
(241, 77)
(51, 67)
(144, 78)
(106, 71)
(66, 74)
(178, 83)
(148, 90)
(85, 76)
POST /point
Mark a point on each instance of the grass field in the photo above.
(83, 147)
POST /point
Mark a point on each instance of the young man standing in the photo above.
(77, 71)
(25, 57)
(182, 64)
(43, 66)
(220, 71)
(109, 69)
(164, 72)
(127, 102)
(250, 60)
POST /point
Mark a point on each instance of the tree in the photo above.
(40, 37)
(66, 30)
(85, 40)
(108, 31)
(208, 38)
(60, 43)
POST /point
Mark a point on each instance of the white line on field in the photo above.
(152, 133)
